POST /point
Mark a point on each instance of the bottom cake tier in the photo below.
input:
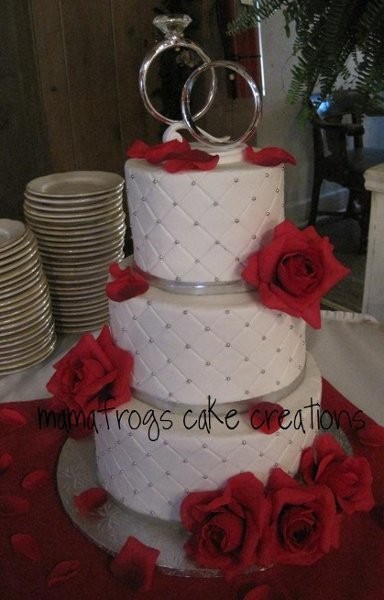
(149, 459)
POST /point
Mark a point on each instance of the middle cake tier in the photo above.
(227, 347)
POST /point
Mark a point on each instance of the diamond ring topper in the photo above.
(173, 26)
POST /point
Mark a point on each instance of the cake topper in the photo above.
(173, 26)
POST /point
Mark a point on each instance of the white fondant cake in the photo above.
(199, 226)
(198, 335)
(152, 476)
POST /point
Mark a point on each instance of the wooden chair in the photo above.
(340, 155)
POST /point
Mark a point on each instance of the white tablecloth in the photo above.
(349, 350)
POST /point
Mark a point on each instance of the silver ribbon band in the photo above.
(194, 287)
(240, 406)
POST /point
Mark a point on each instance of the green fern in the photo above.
(334, 39)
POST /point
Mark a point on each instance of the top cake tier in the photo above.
(200, 226)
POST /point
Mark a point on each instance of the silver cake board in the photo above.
(111, 524)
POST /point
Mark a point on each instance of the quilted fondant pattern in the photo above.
(201, 226)
(152, 477)
(187, 348)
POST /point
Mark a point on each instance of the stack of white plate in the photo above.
(79, 223)
(27, 333)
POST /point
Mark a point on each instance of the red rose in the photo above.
(349, 477)
(227, 525)
(95, 373)
(295, 271)
(304, 524)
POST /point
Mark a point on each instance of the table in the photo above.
(349, 350)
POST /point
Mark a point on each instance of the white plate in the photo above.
(42, 314)
(74, 228)
(80, 280)
(80, 327)
(26, 298)
(78, 292)
(75, 184)
(79, 271)
(25, 252)
(10, 232)
(25, 241)
(81, 318)
(58, 216)
(59, 265)
(23, 283)
(11, 338)
(15, 274)
(68, 285)
(86, 239)
(79, 308)
(74, 254)
(67, 205)
(22, 363)
(32, 258)
(68, 244)
(78, 219)
(27, 347)
(35, 309)
(91, 301)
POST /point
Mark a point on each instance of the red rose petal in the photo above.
(261, 592)
(6, 460)
(266, 417)
(63, 571)
(35, 480)
(137, 150)
(268, 157)
(135, 563)
(26, 545)
(174, 156)
(13, 505)
(126, 284)
(171, 149)
(90, 499)
(192, 160)
(10, 416)
(371, 435)
(115, 270)
(280, 479)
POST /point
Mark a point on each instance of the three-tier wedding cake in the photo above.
(214, 367)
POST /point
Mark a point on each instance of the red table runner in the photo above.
(353, 572)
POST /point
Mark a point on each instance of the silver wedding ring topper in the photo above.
(172, 26)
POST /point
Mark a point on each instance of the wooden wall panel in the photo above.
(133, 35)
(23, 146)
(53, 82)
(92, 87)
